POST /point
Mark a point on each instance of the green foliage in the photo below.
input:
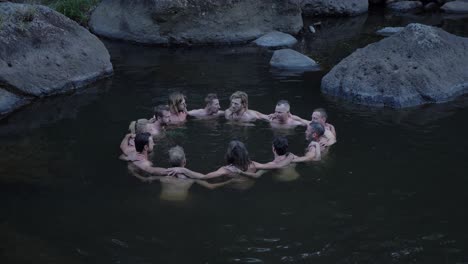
(77, 10)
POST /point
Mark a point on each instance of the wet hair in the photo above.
(176, 156)
(281, 145)
(158, 110)
(141, 140)
(322, 112)
(174, 100)
(210, 97)
(317, 128)
(283, 102)
(243, 96)
(238, 155)
(141, 126)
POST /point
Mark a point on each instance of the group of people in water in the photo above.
(138, 143)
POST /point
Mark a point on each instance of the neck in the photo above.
(143, 155)
(208, 112)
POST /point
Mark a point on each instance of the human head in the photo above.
(212, 103)
(177, 103)
(239, 101)
(177, 157)
(144, 141)
(162, 114)
(238, 155)
(282, 110)
(319, 115)
(314, 131)
(280, 145)
(141, 126)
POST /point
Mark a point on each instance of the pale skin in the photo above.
(239, 113)
(127, 146)
(159, 123)
(212, 110)
(180, 116)
(314, 149)
(279, 162)
(282, 118)
(330, 133)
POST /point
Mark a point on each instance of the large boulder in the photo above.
(194, 21)
(388, 31)
(334, 7)
(420, 65)
(456, 7)
(405, 6)
(44, 53)
(10, 101)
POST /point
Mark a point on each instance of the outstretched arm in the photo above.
(261, 116)
(275, 165)
(213, 185)
(257, 174)
(303, 122)
(125, 147)
(312, 155)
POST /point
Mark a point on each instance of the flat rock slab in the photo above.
(456, 7)
(388, 31)
(276, 39)
(291, 59)
(405, 6)
(43, 53)
(10, 102)
(194, 21)
(334, 7)
(420, 65)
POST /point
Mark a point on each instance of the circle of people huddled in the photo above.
(138, 143)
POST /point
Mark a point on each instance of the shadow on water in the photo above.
(392, 190)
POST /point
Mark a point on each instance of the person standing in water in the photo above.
(317, 145)
(239, 109)
(178, 108)
(176, 187)
(211, 110)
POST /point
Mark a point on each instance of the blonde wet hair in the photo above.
(138, 126)
(243, 96)
(174, 100)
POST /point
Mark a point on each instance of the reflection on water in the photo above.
(392, 190)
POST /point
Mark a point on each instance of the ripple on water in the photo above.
(245, 260)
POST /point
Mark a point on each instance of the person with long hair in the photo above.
(177, 107)
(239, 109)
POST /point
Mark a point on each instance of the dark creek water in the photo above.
(392, 190)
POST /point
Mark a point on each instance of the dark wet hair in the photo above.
(141, 140)
(322, 112)
(158, 110)
(317, 128)
(238, 155)
(281, 145)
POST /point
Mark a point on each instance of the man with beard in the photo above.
(178, 108)
(144, 145)
(282, 117)
(239, 109)
(211, 109)
(319, 115)
(317, 144)
(161, 118)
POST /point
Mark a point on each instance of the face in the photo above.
(281, 113)
(317, 117)
(182, 106)
(166, 118)
(236, 105)
(214, 106)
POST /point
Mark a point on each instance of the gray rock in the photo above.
(42, 52)
(276, 39)
(334, 7)
(312, 29)
(388, 31)
(405, 6)
(194, 21)
(431, 6)
(10, 102)
(456, 7)
(420, 65)
(291, 59)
